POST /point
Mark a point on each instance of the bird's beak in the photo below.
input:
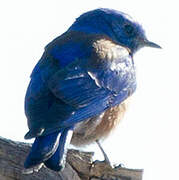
(148, 43)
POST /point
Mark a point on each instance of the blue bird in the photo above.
(79, 88)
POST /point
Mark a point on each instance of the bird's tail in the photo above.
(50, 150)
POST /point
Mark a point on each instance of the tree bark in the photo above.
(79, 166)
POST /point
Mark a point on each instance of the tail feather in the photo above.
(50, 150)
(42, 149)
(57, 161)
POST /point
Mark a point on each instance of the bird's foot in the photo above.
(106, 159)
(98, 163)
(119, 166)
(97, 166)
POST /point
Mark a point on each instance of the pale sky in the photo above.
(148, 136)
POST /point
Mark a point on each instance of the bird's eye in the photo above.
(129, 30)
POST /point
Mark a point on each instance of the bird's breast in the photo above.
(116, 58)
(98, 127)
(110, 51)
(119, 70)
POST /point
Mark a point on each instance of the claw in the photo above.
(119, 166)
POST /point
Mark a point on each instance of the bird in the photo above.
(79, 88)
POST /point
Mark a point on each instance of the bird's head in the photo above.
(119, 26)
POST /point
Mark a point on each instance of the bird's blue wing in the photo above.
(75, 86)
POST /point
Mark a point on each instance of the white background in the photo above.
(148, 136)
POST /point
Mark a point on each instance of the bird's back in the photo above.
(41, 105)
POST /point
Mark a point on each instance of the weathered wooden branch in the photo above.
(79, 166)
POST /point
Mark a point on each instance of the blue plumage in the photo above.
(82, 73)
(43, 148)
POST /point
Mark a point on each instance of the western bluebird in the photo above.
(79, 87)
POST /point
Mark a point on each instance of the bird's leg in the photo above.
(106, 159)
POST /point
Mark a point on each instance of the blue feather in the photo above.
(42, 149)
(57, 161)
